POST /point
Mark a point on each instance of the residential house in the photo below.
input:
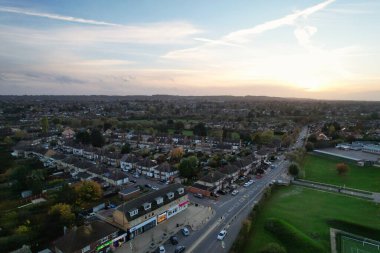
(139, 215)
(146, 167)
(94, 237)
(165, 171)
(68, 133)
(128, 162)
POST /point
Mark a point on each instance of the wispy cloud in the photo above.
(55, 16)
(244, 34)
(240, 37)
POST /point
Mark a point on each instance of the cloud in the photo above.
(55, 16)
(303, 34)
(244, 35)
(240, 37)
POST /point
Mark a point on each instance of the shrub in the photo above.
(272, 248)
(293, 239)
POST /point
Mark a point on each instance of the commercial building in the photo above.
(141, 214)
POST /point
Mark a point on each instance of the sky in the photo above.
(286, 48)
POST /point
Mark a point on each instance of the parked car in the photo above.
(180, 249)
(198, 195)
(161, 249)
(148, 186)
(185, 231)
(136, 175)
(222, 192)
(133, 181)
(235, 192)
(174, 240)
(221, 235)
(246, 184)
(155, 188)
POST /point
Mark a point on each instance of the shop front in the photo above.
(142, 227)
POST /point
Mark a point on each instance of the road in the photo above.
(232, 210)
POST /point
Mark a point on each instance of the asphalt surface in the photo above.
(232, 210)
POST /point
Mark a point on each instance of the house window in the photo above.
(133, 212)
(85, 249)
(159, 200)
(180, 190)
(170, 195)
(147, 206)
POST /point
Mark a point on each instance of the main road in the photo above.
(230, 211)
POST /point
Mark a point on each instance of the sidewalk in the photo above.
(193, 217)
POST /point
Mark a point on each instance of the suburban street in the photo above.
(230, 210)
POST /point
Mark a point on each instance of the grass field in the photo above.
(309, 211)
(352, 245)
(323, 169)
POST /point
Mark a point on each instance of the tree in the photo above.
(83, 137)
(188, 167)
(126, 148)
(200, 129)
(272, 248)
(177, 153)
(309, 146)
(178, 125)
(44, 124)
(63, 213)
(342, 168)
(293, 169)
(97, 139)
(88, 191)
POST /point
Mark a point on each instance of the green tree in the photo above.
(188, 167)
(44, 124)
(97, 139)
(126, 148)
(293, 169)
(309, 146)
(200, 129)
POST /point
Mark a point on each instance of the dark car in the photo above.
(174, 240)
(222, 192)
(198, 195)
(133, 181)
(179, 249)
(148, 186)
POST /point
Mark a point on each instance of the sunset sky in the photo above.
(311, 48)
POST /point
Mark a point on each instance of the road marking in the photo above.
(200, 239)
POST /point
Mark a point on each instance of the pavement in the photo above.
(194, 217)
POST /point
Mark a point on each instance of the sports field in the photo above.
(323, 169)
(352, 245)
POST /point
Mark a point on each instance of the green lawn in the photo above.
(308, 211)
(323, 169)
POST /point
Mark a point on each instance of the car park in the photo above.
(174, 240)
(185, 231)
(180, 249)
(221, 235)
(235, 192)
